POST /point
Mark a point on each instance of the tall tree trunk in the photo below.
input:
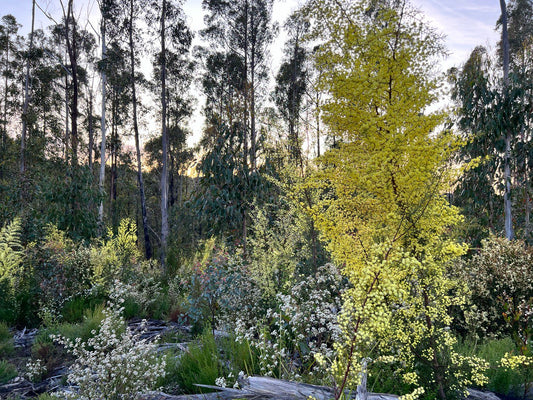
(317, 124)
(245, 132)
(147, 244)
(67, 130)
(101, 177)
(509, 234)
(253, 160)
(91, 130)
(6, 91)
(73, 58)
(164, 138)
(26, 100)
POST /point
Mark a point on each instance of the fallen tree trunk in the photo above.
(264, 388)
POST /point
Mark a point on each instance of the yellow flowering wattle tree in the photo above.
(383, 211)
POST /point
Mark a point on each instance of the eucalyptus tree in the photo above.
(131, 13)
(291, 82)
(239, 33)
(173, 69)
(509, 232)
(10, 47)
(475, 91)
(494, 99)
(26, 97)
(109, 12)
(520, 37)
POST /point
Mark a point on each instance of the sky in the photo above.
(465, 24)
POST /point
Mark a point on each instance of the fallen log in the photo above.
(265, 388)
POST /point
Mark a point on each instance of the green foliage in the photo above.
(501, 380)
(86, 328)
(7, 371)
(208, 359)
(282, 244)
(82, 304)
(10, 251)
(46, 396)
(6, 340)
(381, 209)
(501, 271)
(200, 364)
(116, 255)
(16, 281)
(220, 289)
(146, 297)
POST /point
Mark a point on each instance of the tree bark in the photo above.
(147, 244)
(164, 138)
(73, 58)
(91, 130)
(26, 99)
(101, 177)
(509, 234)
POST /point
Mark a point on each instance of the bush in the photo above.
(78, 307)
(200, 364)
(208, 361)
(7, 371)
(85, 330)
(302, 326)
(114, 257)
(501, 380)
(221, 289)
(502, 271)
(121, 364)
(6, 341)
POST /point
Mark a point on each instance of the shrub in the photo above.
(114, 257)
(220, 289)
(501, 380)
(200, 364)
(146, 298)
(301, 327)
(10, 251)
(6, 340)
(86, 329)
(35, 370)
(114, 364)
(11, 271)
(502, 271)
(7, 371)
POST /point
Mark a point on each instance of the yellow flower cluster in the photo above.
(516, 361)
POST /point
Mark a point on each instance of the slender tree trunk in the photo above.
(509, 234)
(164, 138)
(67, 131)
(253, 160)
(91, 130)
(317, 124)
(73, 58)
(6, 91)
(172, 184)
(147, 244)
(101, 178)
(245, 132)
(26, 99)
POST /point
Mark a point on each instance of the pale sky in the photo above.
(465, 24)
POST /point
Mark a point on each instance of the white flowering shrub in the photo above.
(302, 328)
(35, 370)
(498, 275)
(114, 364)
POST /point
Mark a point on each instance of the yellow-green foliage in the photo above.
(10, 250)
(382, 210)
(116, 254)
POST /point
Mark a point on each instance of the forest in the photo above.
(337, 226)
